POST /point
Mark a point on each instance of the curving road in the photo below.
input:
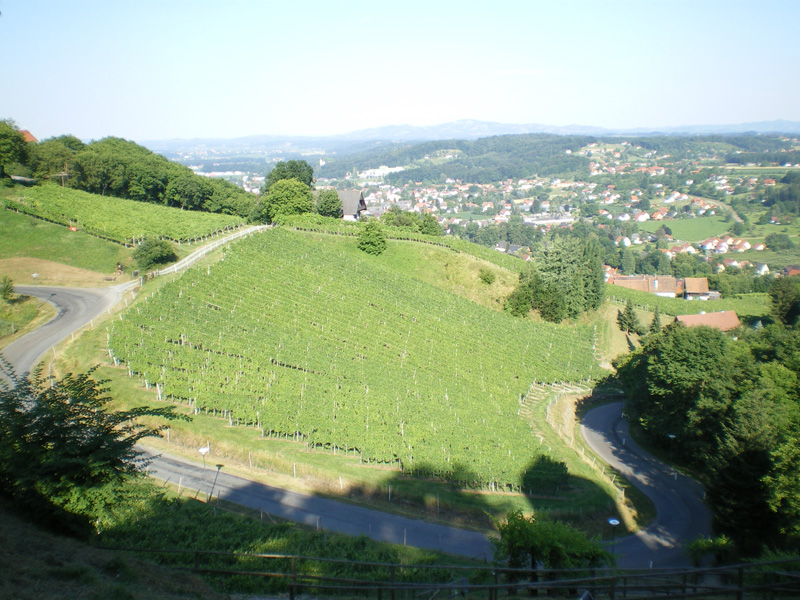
(76, 308)
(681, 512)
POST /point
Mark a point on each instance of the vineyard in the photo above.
(337, 350)
(122, 221)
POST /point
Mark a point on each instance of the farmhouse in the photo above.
(352, 204)
(724, 320)
(696, 287)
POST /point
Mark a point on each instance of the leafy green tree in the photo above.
(684, 381)
(429, 225)
(12, 146)
(565, 280)
(6, 288)
(528, 541)
(188, 191)
(61, 448)
(779, 241)
(292, 169)
(285, 197)
(56, 155)
(151, 252)
(628, 261)
(372, 239)
(329, 204)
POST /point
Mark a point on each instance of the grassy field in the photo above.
(690, 230)
(25, 237)
(22, 315)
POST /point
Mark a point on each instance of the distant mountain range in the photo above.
(466, 129)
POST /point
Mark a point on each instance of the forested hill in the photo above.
(123, 169)
(479, 161)
(504, 157)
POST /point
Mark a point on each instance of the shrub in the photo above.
(487, 276)
(153, 252)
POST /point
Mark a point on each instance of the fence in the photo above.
(301, 574)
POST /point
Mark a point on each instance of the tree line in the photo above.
(120, 168)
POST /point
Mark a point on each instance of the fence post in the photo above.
(391, 573)
(293, 580)
(740, 583)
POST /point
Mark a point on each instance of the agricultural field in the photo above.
(323, 344)
(115, 219)
(691, 229)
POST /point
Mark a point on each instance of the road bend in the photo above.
(681, 513)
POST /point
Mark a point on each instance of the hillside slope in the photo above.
(322, 343)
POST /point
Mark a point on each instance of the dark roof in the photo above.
(352, 202)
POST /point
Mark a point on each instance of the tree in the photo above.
(655, 324)
(188, 191)
(329, 204)
(565, 280)
(487, 276)
(285, 197)
(60, 446)
(12, 146)
(785, 295)
(628, 261)
(6, 288)
(528, 541)
(627, 320)
(429, 225)
(292, 169)
(372, 239)
(153, 252)
(778, 241)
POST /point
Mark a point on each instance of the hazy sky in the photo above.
(147, 70)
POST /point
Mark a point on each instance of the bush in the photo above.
(487, 276)
(372, 239)
(6, 288)
(153, 252)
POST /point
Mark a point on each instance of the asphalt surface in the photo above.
(681, 512)
(317, 512)
(682, 515)
(76, 308)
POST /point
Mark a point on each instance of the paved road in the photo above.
(76, 307)
(681, 513)
(319, 512)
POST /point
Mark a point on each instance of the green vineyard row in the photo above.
(122, 221)
(335, 349)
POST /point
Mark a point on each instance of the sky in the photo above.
(162, 69)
